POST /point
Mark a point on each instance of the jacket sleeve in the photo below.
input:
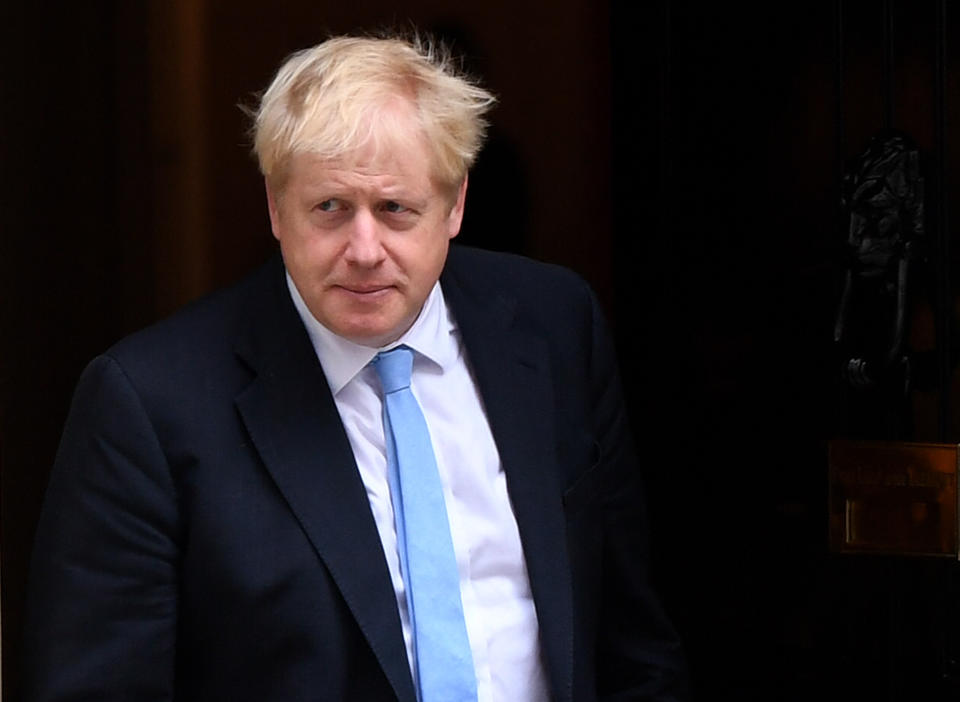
(639, 655)
(102, 600)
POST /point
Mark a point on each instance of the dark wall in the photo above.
(63, 260)
(684, 156)
(732, 127)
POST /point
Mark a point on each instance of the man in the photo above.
(228, 517)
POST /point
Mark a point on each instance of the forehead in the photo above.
(369, 165)
(386, 141)
(389, 158)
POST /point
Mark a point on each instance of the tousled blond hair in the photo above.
(340, 96)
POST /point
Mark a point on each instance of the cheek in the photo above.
(421, 263)
(314, 252)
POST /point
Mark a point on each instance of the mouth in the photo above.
(365, 292)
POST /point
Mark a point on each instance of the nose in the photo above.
(364, 246)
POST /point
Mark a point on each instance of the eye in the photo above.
(394, 207)
(331, 205)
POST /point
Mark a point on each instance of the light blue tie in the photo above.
(442, 650)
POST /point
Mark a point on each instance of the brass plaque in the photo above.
(893, 498)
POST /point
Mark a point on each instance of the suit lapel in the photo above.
(512, 368)
(294, 424)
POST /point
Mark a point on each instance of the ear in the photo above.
(455, 218)
(273, 209)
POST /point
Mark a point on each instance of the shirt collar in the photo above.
(432, 336)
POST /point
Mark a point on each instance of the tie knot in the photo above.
(394, 367)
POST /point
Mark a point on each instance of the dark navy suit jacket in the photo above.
(206, 534)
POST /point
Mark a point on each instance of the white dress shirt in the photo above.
(494, 586)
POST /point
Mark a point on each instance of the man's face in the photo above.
(365, 239)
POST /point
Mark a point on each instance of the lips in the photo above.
(365, 292)
(364, 289)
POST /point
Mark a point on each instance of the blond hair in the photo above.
(334, 99)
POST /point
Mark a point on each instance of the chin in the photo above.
(370, 336)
